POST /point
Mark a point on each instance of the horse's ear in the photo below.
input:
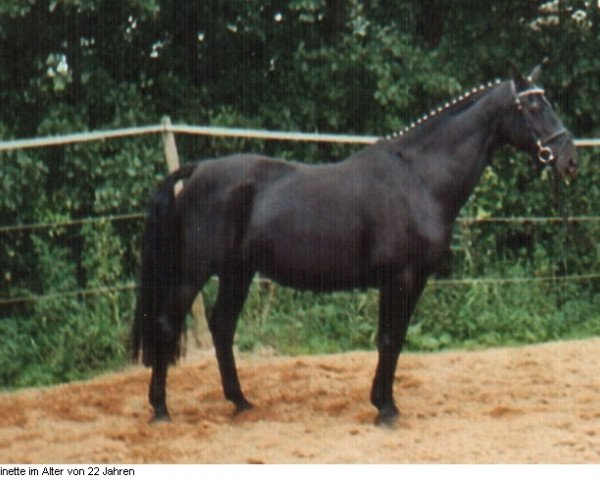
(537, 71)
(515, 73)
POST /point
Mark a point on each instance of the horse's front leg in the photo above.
(397, 302)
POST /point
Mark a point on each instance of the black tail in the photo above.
(160, 270)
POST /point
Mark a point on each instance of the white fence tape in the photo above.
(55, 140)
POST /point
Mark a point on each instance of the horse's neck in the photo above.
(451, 158)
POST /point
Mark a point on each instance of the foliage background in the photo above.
(310, 65)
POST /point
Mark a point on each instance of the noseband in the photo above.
(544, 153)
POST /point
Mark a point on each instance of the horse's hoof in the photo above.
(387, 417)
(243, 406)
(161, 417)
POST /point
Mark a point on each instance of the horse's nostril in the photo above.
(572, 166)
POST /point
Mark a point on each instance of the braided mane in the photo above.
(454, 106)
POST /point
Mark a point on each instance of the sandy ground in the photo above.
(537, 404)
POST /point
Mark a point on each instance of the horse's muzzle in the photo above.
(566, 162)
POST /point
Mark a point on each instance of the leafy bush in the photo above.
(68, 337)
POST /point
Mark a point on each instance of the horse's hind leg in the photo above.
(170, 324)
(157, 394)
(233, 290)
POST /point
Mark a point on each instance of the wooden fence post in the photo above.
(200, 326)
(170, 150)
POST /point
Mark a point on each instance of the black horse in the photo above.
(382, 218)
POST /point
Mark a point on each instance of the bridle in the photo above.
(544, 153)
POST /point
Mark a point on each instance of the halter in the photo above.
(544, 153)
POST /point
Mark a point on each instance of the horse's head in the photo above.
(538, 129)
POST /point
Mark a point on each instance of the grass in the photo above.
(447, 316)
(66, 339)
